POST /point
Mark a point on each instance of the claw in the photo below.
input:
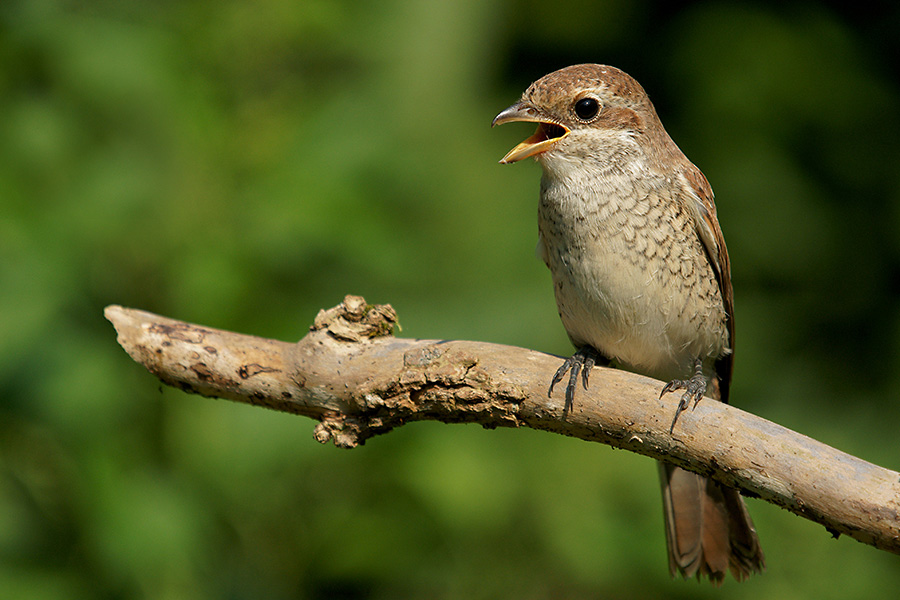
(579, 363)
(589, 362)
(694, 388)
(560, 372)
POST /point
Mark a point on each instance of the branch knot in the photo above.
(354, 320)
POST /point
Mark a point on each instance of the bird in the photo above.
(627, 226)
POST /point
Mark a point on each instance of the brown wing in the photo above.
(711, 235)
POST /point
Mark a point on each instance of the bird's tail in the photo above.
(708, 528)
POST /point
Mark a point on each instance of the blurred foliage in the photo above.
(243, 164)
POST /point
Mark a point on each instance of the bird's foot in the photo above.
(695, 388)
(581, 362)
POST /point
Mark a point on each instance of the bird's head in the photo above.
(578, 108)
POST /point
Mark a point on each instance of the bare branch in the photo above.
(357, 380)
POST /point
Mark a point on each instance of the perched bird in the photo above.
(642, 278)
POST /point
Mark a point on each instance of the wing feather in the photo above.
(710, 234)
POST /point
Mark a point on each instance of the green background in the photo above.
(244, 164)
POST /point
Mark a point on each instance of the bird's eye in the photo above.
(587, 108)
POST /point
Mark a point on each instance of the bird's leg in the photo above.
(581, 362)
(695, 388)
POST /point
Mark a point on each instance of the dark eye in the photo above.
(587, 108)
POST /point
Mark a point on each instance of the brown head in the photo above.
(583, 98)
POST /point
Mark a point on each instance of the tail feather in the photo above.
(708, 528)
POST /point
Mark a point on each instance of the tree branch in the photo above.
(357, 380)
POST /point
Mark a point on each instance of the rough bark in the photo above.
(350, 374)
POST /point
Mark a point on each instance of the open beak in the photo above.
(547, 134)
